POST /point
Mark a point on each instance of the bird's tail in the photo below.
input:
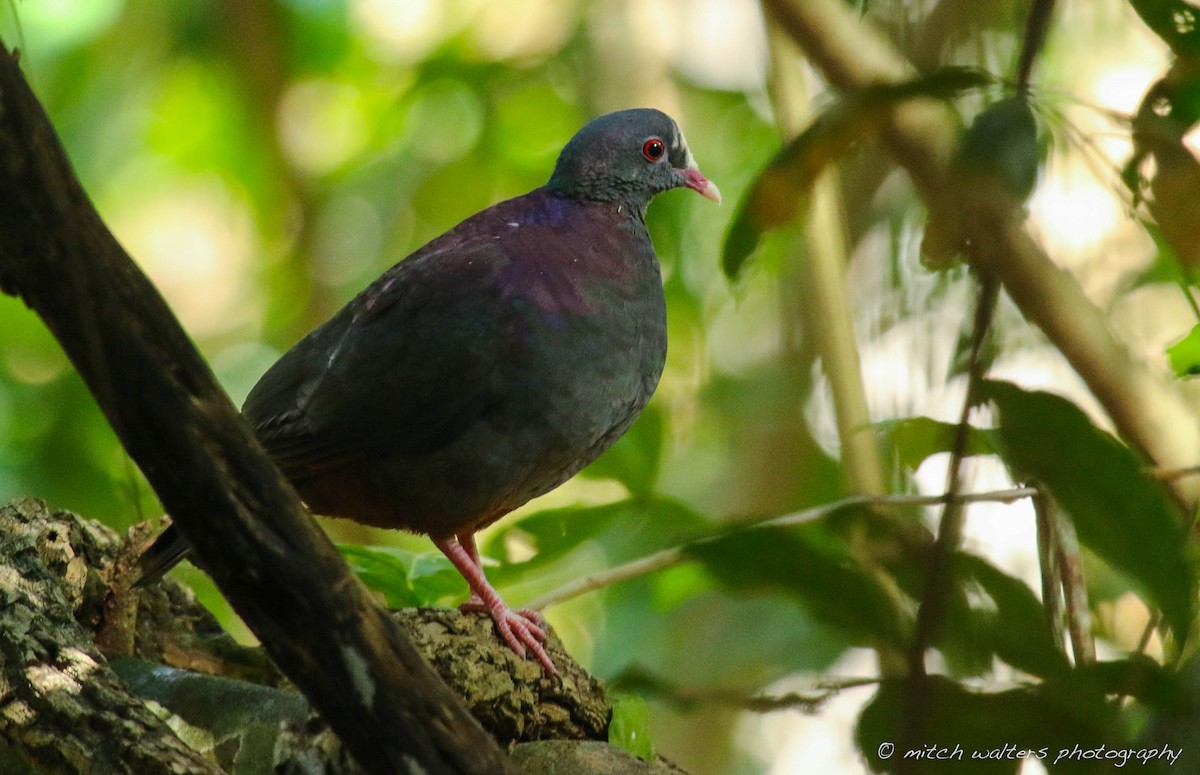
(167, 550)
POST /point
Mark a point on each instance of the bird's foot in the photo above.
(476, 605)
(524, 631)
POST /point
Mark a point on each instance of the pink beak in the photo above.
(696, 181)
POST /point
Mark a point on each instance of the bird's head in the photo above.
(628, 156)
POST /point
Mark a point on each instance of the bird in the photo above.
(489, 366)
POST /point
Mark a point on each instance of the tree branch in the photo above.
(64, 709)
(245, 523)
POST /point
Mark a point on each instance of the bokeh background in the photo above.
(263, 160)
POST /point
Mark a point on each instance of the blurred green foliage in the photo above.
(1039, 433)
(264, 160)
(630, 725)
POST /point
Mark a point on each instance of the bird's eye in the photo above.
(654, 149)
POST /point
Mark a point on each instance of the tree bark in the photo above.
(60, 705)
(246, 525)
(82, 656)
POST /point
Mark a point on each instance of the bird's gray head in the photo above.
(628, 156)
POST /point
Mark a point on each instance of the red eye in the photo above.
(654, 149)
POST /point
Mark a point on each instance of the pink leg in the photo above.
(467, 541)
(476, 604)
(519, 631)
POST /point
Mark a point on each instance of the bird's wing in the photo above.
(404, 368)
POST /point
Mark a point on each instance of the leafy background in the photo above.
(264, 160)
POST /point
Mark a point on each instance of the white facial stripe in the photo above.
(679, 141)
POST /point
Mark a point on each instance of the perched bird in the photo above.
(489, 366)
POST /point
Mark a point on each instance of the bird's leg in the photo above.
(476, 603)
(467, 541)
(520, 630)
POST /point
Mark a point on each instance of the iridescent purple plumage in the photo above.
(489, 366)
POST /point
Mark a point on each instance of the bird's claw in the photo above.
(534, 616)
(523, 631)
(522, 635)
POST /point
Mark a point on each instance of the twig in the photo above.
(678, 554)
(949, 537)
(1172, 474)
(1075, 594)
(1036, 27)
(938, 581)
(1051, 569)
(809, 701)
(1151, 626)
(606, 578)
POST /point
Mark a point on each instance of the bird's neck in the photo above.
(609, 196)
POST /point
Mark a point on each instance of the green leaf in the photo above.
(1120, 512)
(243, 719)
(968, 644)
(1177, 22)
(996, 162)
(778, 195)
(984, 733)
(812, 564)
(406, 579)
(1168, 110)
(1174, 718)
(224, 706)
(912, 440)
(1184, 355)
(1001, 148)
(1015, 624)
(630, 725)
(628, 529)
(1166, 267)
(1136, 676)
(1166, 188)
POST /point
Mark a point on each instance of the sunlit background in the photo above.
(262, 161)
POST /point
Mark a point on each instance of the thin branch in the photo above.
(1172, 474)
(1151, 626)
(808, 701)
(1036, 27)
(606, 578)
(822, 272)
(938, 581)
(1051, 570)
(1075, 594)
(678, 554)
(950, 528)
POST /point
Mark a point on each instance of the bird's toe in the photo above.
(534, 617)
(525, 633)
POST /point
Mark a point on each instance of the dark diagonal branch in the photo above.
(246, 525)
(1037, 26)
